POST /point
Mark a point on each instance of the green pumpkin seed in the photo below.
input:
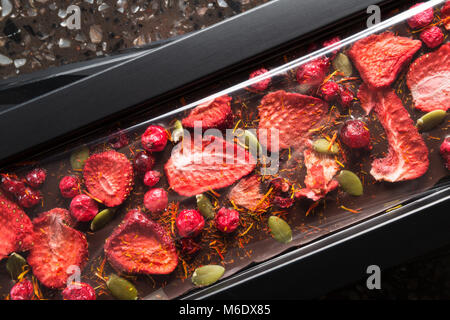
(342, 64)
(350, 182)
(207, 275)
(249, 139)
(431, 120)
(177, 132)
(78, 157)
(15, 265)
(121, 288)
(280, 229)
(323, 146)
(205, 206)
(102, 219)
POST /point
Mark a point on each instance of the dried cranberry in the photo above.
(119, 140)
(432, 37)
(12, 185)
(69, 186)
(446, 9)
(143, 162)
(29, 198)
(156, 200)
(22, 290)
(330, 42)
(189, 246)
(445, 152)
(329, 91)
(154, 138)
(283, 202)
(422, 19)
(83, 208)
(151, 178)
(355, 134)
(312, 74)
(263, 84)
(79, 291)
(36, 177)
(189, 223)
(345, 96)
(227, 220)
(280, 184)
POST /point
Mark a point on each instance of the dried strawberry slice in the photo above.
(141, 246)
(212, 114)
(108, 177)
(379, 58)
(407, 158)
(247, 193)
(321, 170)
(57, 248)
(200, 165)
(16, 230)
(429, 80)
(292, 114)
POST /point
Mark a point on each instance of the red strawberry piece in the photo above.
(329, 91)
(263, 84)
(379, 58)
(143, 162)
(16, 230)
(407, 157)
(29, 198)
(151, 178)
(79, 291)
(141, 246)
(345, 97)
(247, 193)
(36, 177)
(445, 152)
(12, 185)
(118, 140)
(421, 19)
(355, 134)
(108, 177)
(292, 114)
(154, 139)
(428, 79)
(69, 186)
(311, 74)
(211, 163)
(189, 223)
(432, 37)
(283, 202)
(83, 208)
(22, 290)
(189, 246)
(155, 200)
(227, 220)
(211, 114)
(57, 248)
(319, 181)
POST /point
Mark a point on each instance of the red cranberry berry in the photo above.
(227, 220)
(189, 246)
(36, 177)
(263, 84)
(143, 162)
(119, 140)
(83, 208)
(445, 152)
(329, 91)
(79, 291)
(156, 200)
(154, 138)
(312, 74)
(189, 223)
(12, 185)
(432, 37)
(330, 42)
(69, 186)
(283, 202)
(151, 178)
(355, 134)
(29, 198)
(422, 19)
(345, 96)
(445, 11)
(22, 290)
